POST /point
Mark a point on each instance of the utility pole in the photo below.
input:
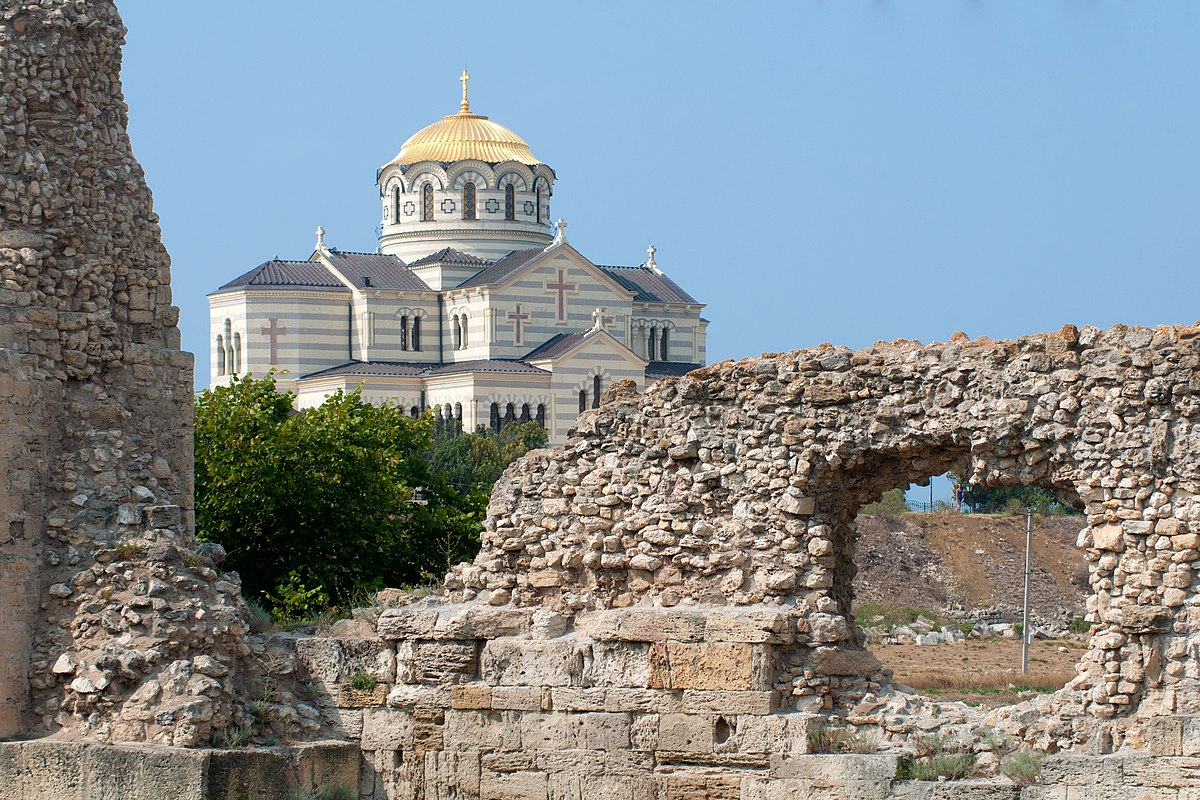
(1026, 633)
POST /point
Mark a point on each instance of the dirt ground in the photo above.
(944, 559)
(986, 673)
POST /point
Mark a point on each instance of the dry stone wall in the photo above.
(737, 486)
(103, 593)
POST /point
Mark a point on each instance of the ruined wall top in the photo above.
(739, 482)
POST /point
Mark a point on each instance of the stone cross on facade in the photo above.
(320, 237)
(601, 321)
(516, 318)
(561, 236)
(561, 287)
(273, 332)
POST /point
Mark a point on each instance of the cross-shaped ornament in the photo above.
(465, 105)
(562, 287)
(601, 321)
(273, 332)
(516, 318)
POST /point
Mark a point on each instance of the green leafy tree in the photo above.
(314, 506)
(318, 506)
(463, 468)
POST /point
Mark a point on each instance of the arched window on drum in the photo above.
(427, 202)
(468, 200)
(510, 202)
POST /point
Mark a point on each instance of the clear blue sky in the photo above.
(814, 171)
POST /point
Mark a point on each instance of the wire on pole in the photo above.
(1026, 629)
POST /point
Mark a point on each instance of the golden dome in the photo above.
(465, 135)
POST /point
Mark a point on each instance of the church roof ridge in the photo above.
(279, 273)
(649, 285)
(376, 271)
(449, 255)
(502, 269)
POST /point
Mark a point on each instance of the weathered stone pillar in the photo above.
(95, 397)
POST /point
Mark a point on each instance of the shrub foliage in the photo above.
(316, 507)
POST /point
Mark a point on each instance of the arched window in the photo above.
(427, 202)
(510, 414)
(414, 412)
(220, 355)
(458, 411)
(416, 333)
(455, 332)
(510, 202)
(538, 199)
(404, 333)
(541, 415)
(237, 354)
(582, 400)
(396, 204)
(525, 415)
(462, 321)
(663, 354)
(596, 391)
(469, 200)
(652, 345)
(228, 346)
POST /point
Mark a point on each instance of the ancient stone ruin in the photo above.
(661, 608)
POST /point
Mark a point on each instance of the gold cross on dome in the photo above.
(466, 76)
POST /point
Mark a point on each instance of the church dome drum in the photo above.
(467, 183)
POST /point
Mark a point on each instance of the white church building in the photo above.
(474, 305)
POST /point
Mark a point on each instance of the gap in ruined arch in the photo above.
(936, 593)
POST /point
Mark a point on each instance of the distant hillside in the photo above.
(947, 560)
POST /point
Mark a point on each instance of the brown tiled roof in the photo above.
(555, 346)
(503, 269)
(276, 274)
(384, 272)
(650, 286)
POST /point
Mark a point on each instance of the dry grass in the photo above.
(995, 680)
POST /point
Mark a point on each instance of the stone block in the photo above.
(835, 768)
(513, 786)
(710, 665)
(686, 733)
(52, 770)
(654, 700)
(471, 696)
(956, 790)
(841, 661)
(517, 698)
(246, 774)
(701, 787)
(451, 775)
(1108, 537)
(427, 729)
(388, 729)
(115, 773)
(568, 699)
(775, 733)
(328, 763)
(723, 701)
(347, 722)
(349, 697)
(623, 664)
(1161, 772)
(407, 623)
(405, 695)
(483, 730)
(437, 662)
(601, 731)
(525, 662)
(754, 627)
(755, 788)
(1164, 736)
(1072, 770)
(548, 731)
(11, 765)
(332, 660)
(642, 625)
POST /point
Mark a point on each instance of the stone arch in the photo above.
(516, 173)
(430, 171)
(1106, 418)
(477, 171)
